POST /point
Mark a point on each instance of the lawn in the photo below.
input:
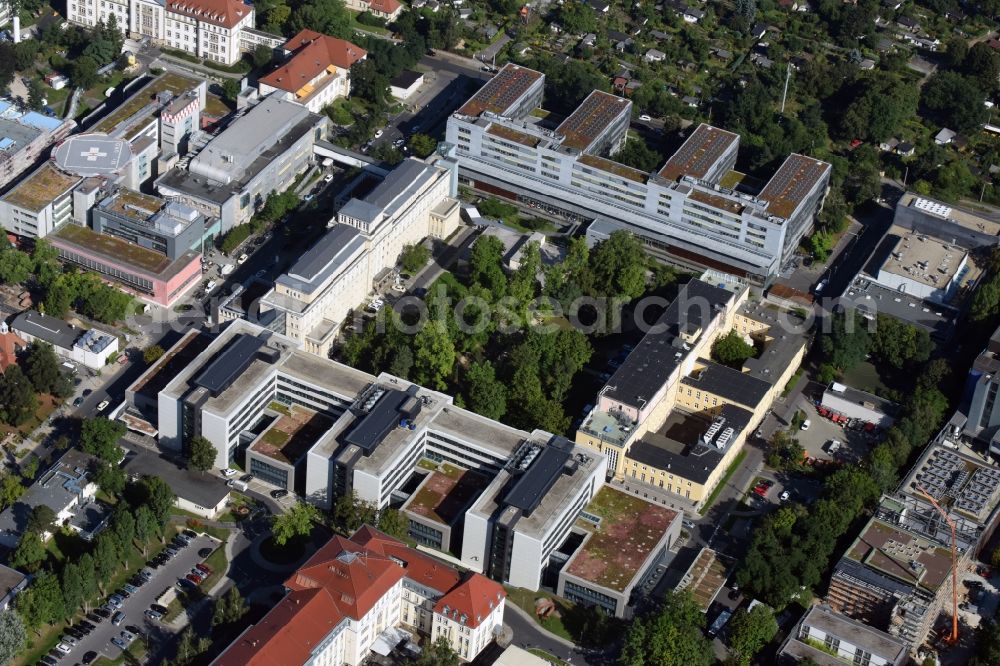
(629, 531)
(525, 600)
(46, 405)
(133, 655)
(39, 645)
(552, 659)
(219, 564)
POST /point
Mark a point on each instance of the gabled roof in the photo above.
(384, 6)
(288, 634)
(354, 577)
(474, 600)
(10, 345)
(312, 53)
(226, 13)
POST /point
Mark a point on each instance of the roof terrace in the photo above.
(114, 248)
(291, 434)
(169, 82)
(41, 188)
(629, 532)
(901, 555)
(445, 494)
(615, 168)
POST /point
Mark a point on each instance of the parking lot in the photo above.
(134, 608)
(854, 443)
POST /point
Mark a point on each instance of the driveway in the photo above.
(134, 607)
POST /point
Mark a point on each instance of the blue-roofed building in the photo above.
(25, 137)
(68, 489)
(334, 277)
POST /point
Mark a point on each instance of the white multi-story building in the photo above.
(312, 299)
(692, 211)
(39, 203)
(381, 428)
(210, 29)
(260, 153)
(365, 594)
(317, 70)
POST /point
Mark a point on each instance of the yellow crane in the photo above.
(953, 638)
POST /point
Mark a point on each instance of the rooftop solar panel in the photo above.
(699, 153)
(792, 183)
(591, 118)
(230, 364)
(502, 91)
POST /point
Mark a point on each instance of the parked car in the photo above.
(62, 647)
(118, 618)
(190, 534)
(784, 495)
(194, 578)
(120, 643)
(246, 478)
(805, 425)
(645, 118)
(128, 636)
(78, 402)
(205, 552)
(103, 405)
(153, 615)
(89, 657)
(185, 584)
(279, 493)
(204, 568)
(102, 613)
(242, 258)
(162, 610)
(131, 589)
(69, 640)
(228, 472)
(51, 661)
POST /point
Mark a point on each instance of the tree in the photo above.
(899, 343)
(350, 512)
(438, 653)
(957, 50)
(99, 437)
(954, 100)
(189, 646)
(42, 368)
(231, 89)
(393, 523)
(41, 603)
(414, 257)
(29, 467)
(880, 104)
(17, 397)
(670, 636)
(15, 266)
(619, 265)
(29, 553)
(13, 635)
(329, 17)
(732, 350)
(123, 525)
(201, 454)
(847, 343)
(983, 64)
(41, 519)
(486, 265)
(236, 605)
(434, 355)
(159, 497)
(987, 650)
(297, 521)
(145, 526)
(36, 94)
(88, 576)
(152, 354)
(10, 490)
(485, 394)
(110, 478)
(105, 557)
(422, 145)
(83, 72)
(748, 632)
(637, 154)
(71, 585)
(262, 55)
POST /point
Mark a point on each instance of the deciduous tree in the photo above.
(749, 632)
(297, 521)
(13, 635)
(201, 455)
(99, 437)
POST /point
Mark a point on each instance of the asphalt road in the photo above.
(134, 607)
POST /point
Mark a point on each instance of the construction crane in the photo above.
(953, 639)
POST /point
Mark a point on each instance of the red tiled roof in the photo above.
(10, 344)
(419, 567)
(474, 599)
(345, 579)
(226, 13)
(287, 634)
(355, 577)
(384, 6)
(312, 53)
